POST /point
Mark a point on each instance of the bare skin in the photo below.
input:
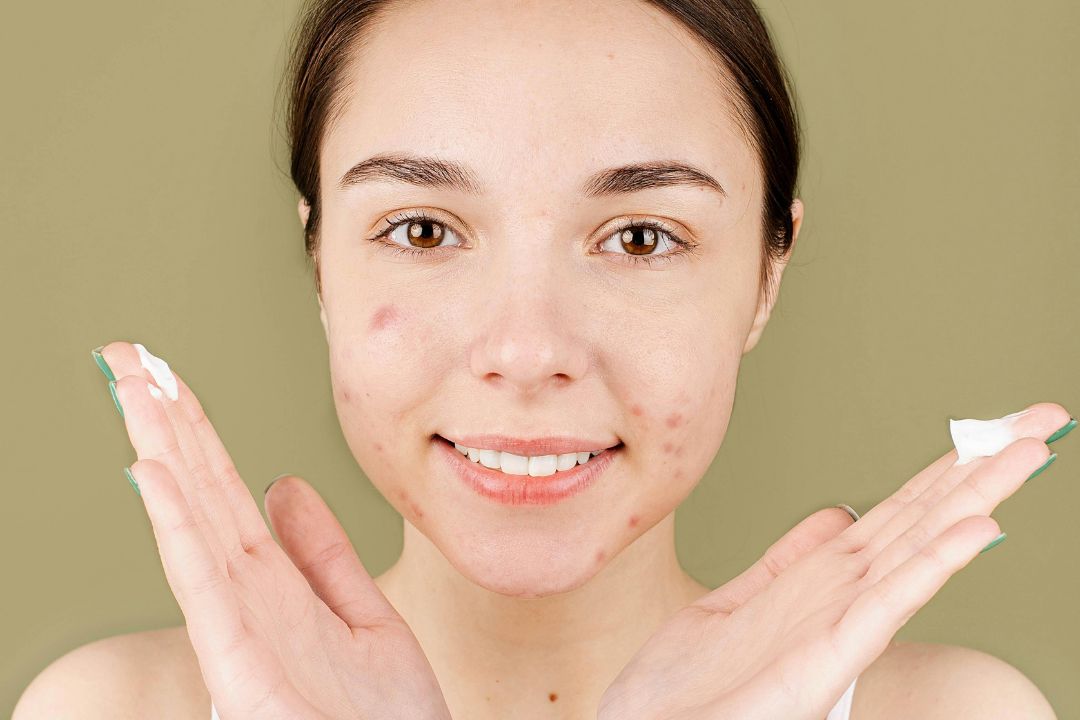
(520, 324)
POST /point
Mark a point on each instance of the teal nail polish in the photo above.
(1052, 458)
(994, 542)
(102, 365)
(131, 479)
(115, 399)
(1062, 432)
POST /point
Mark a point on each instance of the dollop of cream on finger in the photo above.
(159, 370)
(982, 438)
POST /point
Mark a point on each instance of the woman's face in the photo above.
(532, 315)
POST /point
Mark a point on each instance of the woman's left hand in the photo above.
(785, 638)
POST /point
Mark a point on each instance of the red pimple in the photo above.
(673, 420)
(636, 410)
(384, 316)
(668, 447)
(600, 555)
(634, 520)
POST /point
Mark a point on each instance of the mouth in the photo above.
(523, 480)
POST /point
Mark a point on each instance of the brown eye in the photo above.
(416, 233)
(638, 240)
(644, 242)
(423, 233)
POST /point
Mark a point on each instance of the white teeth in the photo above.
(538, 466)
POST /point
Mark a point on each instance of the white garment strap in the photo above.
(842, 709)
(213, 712)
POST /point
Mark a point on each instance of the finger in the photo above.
(978, 494)
(205, 594)
(801, 539)
(939, 477)
(151, 434)
(316, 543)
(879, 611)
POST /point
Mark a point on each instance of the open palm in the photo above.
(787, 636)
(298, 630)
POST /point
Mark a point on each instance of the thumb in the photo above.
(316, 543)
(813, 531)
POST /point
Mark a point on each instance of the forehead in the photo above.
(536, 94)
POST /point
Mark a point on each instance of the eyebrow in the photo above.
(429, 172)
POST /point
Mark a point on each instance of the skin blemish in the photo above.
(378, 447)
(553, 697)
(668, 447)
(416, 510)
(600, 555)
(634, 519)
(383, 317)
(636, 410)
(673, 420)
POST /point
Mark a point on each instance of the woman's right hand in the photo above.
(786, 637)
(301, 632)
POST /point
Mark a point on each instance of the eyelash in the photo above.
(396, 221)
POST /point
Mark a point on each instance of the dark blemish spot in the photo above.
(553, 697)
(636, 409)
(673, 420)
(668, 447)
(378, 446)
(384, 316)
(416, 510)
(634, 520)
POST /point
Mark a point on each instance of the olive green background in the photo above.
(145, 198)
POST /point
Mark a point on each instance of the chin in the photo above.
(524, 565)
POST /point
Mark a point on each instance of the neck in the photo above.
(500, 656)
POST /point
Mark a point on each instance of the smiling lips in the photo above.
(507, 484)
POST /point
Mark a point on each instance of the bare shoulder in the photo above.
(932, 680)
(153, 673)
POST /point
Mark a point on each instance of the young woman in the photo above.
(544, 235)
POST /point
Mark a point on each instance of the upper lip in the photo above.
(532, 447)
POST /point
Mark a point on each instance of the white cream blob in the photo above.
(982, 438)
(160, 371)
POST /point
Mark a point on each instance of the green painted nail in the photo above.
(1052, 458)
(131, 479)
(115, 399)
(1062, 432)
(102, 365)
(994, 542)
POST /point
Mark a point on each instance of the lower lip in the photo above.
(524, 489)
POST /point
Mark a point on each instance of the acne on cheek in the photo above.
(384, 317)
(404, 495)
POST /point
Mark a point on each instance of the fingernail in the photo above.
(131, 479)
(1062, 432)
(115, 399)
(1053, 456)
(274, 481)
(100, 360)
(994, 542)
(849, 510)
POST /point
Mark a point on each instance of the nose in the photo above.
(530, 336)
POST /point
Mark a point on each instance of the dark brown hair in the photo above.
(733, 31)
